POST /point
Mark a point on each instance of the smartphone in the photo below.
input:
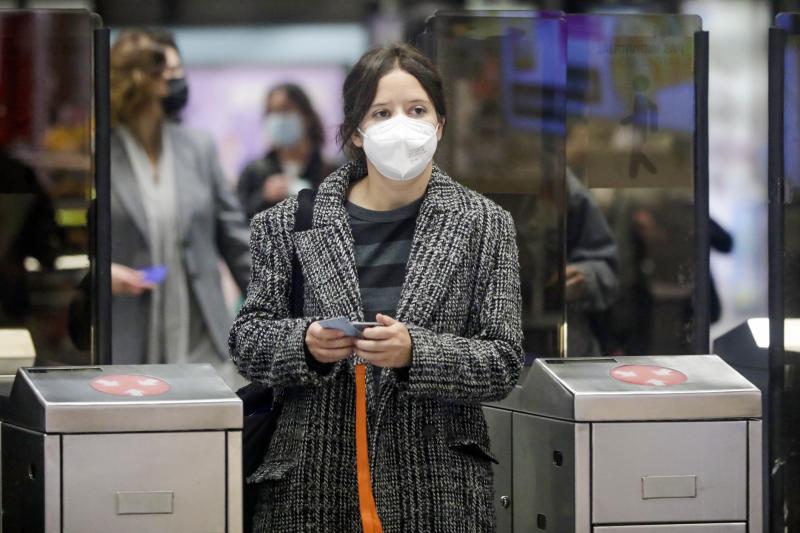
(361, 326)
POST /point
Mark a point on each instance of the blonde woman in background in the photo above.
(173, 218)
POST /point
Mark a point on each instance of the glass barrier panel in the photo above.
(46, 179)
(504, 76)
(630, 184)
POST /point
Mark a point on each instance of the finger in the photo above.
(337, 344)
(322, 333)
(385, 320)
(371, 346)
(378, 333)
(328, 335)
(331, 356)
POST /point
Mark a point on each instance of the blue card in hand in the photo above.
(342, 324)
(154, 274)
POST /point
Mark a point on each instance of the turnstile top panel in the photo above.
(682, 387)
(122, 398)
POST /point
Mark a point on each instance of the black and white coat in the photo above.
(429, 448)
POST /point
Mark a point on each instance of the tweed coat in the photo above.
(428, 442)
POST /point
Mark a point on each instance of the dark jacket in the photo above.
(251, 182)
(429, 447)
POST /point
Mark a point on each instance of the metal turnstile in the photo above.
(629, 445)
(153, 448)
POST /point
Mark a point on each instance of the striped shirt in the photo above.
(382, 246)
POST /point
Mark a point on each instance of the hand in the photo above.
(328, 345)
(387, 345)
(125, 280)
(575, 285)
(275, 188)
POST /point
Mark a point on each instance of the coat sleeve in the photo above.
(231, 225)
(486, 366)
(265, 344)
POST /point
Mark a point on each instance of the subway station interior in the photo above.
(648, 154)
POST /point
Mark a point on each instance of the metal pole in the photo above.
(702, 288)
(777, 44)
(101, 289)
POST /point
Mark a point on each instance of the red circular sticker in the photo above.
(130, 385)
(654, 376)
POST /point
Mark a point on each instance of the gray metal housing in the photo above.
(75, 459)
(582, 452)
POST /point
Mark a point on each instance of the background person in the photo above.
(171, 211)
(448, 340)
(294, 160)
(591, 282)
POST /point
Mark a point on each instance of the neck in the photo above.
(146, 128)
(378, 193)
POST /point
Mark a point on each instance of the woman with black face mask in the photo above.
(173, 217)
(177, 88)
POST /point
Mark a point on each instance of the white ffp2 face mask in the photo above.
(401, 147)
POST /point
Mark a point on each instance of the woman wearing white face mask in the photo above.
(294, 160)
(384, 432)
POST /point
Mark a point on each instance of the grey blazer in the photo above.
(429, 447)
(213, 225)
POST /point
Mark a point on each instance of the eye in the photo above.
(381, 113)
(418, 111)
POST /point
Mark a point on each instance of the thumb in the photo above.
(385, 320)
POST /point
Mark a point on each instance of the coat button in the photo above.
(429, 431)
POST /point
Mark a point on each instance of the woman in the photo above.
(295, 160)
(173, 217)
(449, 337)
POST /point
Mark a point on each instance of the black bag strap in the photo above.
(302, 222)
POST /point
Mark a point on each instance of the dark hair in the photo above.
(361, 85)
(299, 98)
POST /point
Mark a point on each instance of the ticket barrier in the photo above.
(153, 448)
(629, 445)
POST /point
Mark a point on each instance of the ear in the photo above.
(440, 129)
(357, 140)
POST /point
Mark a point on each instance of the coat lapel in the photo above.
(125, 186)
(326, 252)
(440, 241)
(443, 226)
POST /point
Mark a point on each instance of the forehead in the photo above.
(399, 85)
(279, 100)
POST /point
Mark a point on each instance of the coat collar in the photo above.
(326, 250)
(329, 206)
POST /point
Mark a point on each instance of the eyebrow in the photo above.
(414, 101)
